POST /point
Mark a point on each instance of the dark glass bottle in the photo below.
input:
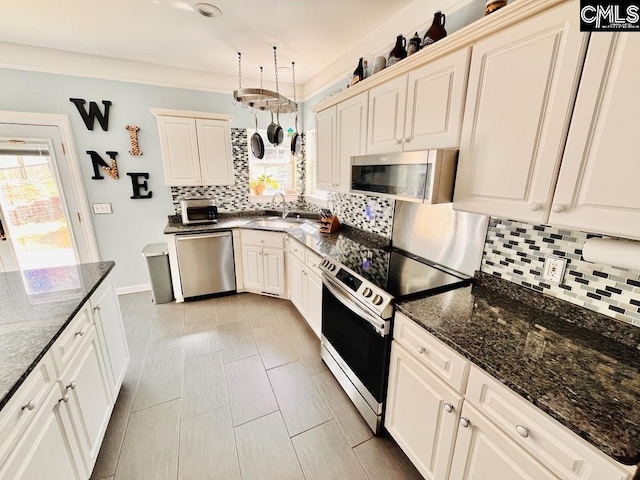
(358, 73)
(436, 30)
(414, 44)
(399, 51)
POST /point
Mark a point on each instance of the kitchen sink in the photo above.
(276, 222)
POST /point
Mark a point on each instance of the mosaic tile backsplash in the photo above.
(516, 252)
(236, 197)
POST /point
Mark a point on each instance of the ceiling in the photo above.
(169, 32)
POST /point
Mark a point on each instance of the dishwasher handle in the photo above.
(201, 236)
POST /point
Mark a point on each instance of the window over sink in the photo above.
(275, 172)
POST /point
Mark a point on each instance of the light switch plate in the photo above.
(554, 269)
(101, 208)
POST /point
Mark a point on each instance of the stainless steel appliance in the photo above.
(206, 263)
(199, 210)
(425, 177)
(357, 309)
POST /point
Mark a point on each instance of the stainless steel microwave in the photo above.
(199, 210)
(427, 176)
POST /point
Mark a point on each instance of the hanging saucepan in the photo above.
(296, 140)
(274, 131)
(257, 145)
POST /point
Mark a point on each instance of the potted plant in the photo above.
(259, 185)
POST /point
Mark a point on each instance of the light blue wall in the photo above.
(134, 223)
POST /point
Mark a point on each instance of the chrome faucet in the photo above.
(285, 209)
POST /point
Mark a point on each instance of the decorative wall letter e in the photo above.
(133, 136)
(97, 161)
(138, 185)
(94, 113)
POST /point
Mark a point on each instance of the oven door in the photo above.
(358, 337)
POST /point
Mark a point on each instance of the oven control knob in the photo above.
(377, 300)
(332, 267)
(367, 292)
(324, 263)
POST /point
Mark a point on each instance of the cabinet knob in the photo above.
(65, 399)
(448, 407)
(71, 386)
(534, 207)
(522, 431)
(558, 208)
(398, 142)
(30, 405)
(405, 140)
(464, 421)
(420, 349)
(96, 308)
(261, 241)
(80, 332)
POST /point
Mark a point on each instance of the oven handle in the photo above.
(381, 326)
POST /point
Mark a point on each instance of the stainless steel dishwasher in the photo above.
(206, 263)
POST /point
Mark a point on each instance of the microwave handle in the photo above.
(381, 326)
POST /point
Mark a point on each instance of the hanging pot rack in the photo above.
(263, 99)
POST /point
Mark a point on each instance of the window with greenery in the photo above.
(275, 172)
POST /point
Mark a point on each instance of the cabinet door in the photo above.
(110, 329)
(521, 89)
(48, 449)
(252, 268)
(435, 102)
(387, 107)
(598, 185)
(418, 415)
(179, 145)
(314, 302)
(326, 152)
(352, 137)
(483, 452)
(214, 147)
(90, 402)
(297, 278)
(274, 271)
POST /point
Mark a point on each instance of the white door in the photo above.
(598, 185)
(314, 303)
(483, 452)
(387, 107)
(214, 146)
(522, 84)
(351, 138)
(418, 415)
(326, 149)
(274, 271)
(179, 145)
(37, 207)
(296, 276)
(252, 268)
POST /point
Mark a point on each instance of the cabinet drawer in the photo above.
(272, 240)
(297, 250)
(68, 343)
(313, 262)
(559, 449)
(447, 364)
(18, 413)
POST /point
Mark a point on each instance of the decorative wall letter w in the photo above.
(94, 113)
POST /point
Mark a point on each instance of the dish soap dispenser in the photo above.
(436, 30)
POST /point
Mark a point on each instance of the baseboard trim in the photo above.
(133, 289)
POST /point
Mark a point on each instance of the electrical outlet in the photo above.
(554, 269)
(101, 208)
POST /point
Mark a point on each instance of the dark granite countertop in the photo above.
(547, 351)
(35, 307)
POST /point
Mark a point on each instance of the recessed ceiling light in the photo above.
(207, 10)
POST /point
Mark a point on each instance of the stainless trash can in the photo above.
(157, 256)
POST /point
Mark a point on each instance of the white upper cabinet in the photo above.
(326, 153)
(196, 148)
(597, 188)
(351, 139)
(522, 85)
(421, 110)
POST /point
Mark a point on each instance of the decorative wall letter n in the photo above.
(97, 161)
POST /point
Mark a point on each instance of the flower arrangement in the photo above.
(259, 185)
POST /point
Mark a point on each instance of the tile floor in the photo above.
(234, 388)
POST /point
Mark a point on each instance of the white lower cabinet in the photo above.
(306, 284)
(263, 263)
(484, 452)
(422, 414)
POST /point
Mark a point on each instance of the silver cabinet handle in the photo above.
(420, 349)
(448, 407)
(558, 208)
(96, 308)
(522, 430)
(534, 207)
(464, 421)
(65, 399)
(71, 386)
(30, 405)
(80, 332)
